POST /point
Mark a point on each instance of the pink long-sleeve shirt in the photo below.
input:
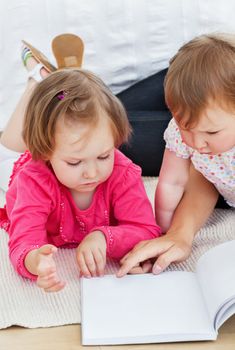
(40, 210)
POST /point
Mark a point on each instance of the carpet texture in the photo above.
(23, 303)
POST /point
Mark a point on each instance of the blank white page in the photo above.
(143, 309)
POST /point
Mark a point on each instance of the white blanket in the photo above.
(23, 303)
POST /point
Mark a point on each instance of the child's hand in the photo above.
(91, 254)
(42, 261)
(167, 249)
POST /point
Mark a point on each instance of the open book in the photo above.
(170, 307)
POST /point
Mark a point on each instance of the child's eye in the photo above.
(74, 164)
(212, 132)
(104, 158)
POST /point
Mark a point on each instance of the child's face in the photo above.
(82, 161)
(214, 133)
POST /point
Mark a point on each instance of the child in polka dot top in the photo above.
(200, 93)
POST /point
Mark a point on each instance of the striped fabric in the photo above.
(23, 303)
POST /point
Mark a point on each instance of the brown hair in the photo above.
(75, 95)
(201, 71)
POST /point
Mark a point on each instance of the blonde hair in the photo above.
(203, 70)
(74, 95)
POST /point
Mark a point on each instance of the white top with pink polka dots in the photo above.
(218, 169)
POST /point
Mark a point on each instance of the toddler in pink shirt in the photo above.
(73, 188)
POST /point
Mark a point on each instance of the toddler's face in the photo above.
(84, 156)
(214, 133)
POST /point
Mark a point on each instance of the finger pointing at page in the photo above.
(166, 249)
(139, 254)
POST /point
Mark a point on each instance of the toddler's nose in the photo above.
(90, 172)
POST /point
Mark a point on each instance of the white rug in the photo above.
(24, 304)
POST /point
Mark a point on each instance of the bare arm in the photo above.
(198, 202)
(170, 188)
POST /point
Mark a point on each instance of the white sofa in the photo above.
(125, 40)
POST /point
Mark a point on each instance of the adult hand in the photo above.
(166, 249)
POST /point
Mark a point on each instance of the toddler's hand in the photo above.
(45, 268)
(91, 254)
(166, 249)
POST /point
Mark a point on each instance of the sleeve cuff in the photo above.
(20, 266)
(108, 236)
